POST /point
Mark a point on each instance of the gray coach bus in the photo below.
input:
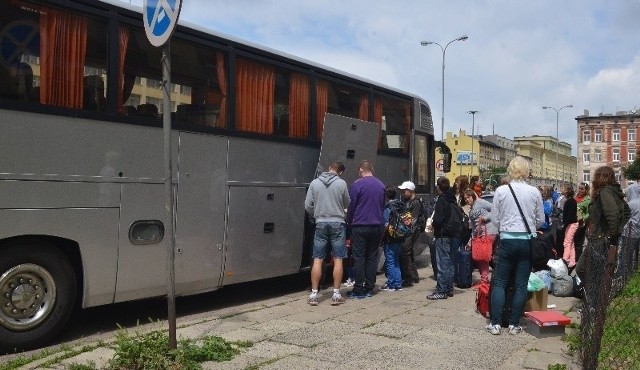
(82, 217)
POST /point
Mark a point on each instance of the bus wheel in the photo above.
(37, 295)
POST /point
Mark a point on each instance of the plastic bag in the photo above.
(535, 283)
(558, 268)
(563, 286)
(546, 277)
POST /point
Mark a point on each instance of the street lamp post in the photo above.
(473, 125)
(444, 50)
(557, 137)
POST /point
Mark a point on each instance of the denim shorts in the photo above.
(329, 235)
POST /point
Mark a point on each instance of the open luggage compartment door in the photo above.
(350, 141)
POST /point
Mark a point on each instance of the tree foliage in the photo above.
(632, 171)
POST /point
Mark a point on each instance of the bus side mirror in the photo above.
(446, 162)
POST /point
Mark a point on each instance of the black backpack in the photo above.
(399, 226)
(457, 224)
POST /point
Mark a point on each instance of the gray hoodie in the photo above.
(632, 228)
(327, 198)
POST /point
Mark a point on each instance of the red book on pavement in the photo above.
(548, 318)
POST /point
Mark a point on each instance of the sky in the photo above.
(519, 57)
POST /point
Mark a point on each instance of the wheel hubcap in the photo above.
(27, 293)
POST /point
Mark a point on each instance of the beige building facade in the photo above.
(551, 161)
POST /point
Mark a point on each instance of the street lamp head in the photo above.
(462, 38)
(472, 112)
(546, 108)
(425, 43)
(568, 106)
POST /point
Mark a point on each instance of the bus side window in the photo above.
(94, 98)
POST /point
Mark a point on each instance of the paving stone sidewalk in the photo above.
(391, 330)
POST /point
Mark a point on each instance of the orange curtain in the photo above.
(63, 37)
(254, 97)
(299, 106)
(222, 84)
(322, 105)
(124, 42)
(363, 113)
(377, 117)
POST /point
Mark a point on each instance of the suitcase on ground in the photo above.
(482, 299)
(463, 268)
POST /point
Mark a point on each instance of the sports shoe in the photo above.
(354, 295)
(434, 296)
(387, 288)
(450, 293)
(313, 300)
(513, 329)
(494, 329)
(337, 299)
(368, 294)
(349, 283)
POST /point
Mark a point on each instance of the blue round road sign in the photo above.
(160, 18)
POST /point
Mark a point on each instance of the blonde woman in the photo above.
(513, 255)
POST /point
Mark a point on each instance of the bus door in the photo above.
(350, 141)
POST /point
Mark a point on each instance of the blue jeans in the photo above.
(329, 235)
(513, 257)
(392, 263)
(365, 241)
(445, 249)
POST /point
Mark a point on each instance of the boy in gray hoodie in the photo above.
(326, 200)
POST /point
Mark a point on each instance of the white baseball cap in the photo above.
(407, 185)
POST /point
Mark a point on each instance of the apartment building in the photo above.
(551, 161)
(607, 139)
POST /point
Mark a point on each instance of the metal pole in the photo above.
(557, 134)
(442, 122)
(444, 51)
(168, 195)
(557, 144)
(473, 124)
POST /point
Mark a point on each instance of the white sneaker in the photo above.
(513, 329)
(349, 283)
(494, 329)
(313, 299)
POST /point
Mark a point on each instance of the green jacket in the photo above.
(608, 213)
(583, 209)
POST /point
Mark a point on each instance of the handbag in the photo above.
(482, 245)
(541, 249)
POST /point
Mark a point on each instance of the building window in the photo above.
(586, 176)
(631, 155)
(585, 156)
(597, 155)
(586, 136)
(631, 133)
(618, 177)
(615, 154)
(597, 136)
(615, 134)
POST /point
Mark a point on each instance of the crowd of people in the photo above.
(578, 223)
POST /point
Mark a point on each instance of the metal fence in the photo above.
(610, 319)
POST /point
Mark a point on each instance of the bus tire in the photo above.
(37, 294)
